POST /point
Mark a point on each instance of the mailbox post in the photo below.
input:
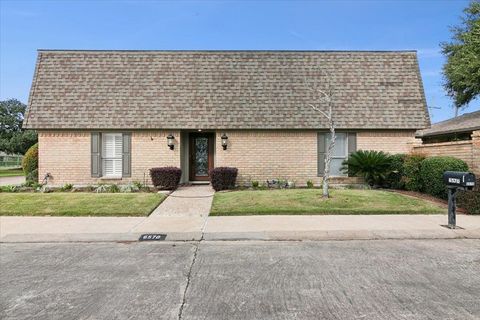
(456, 181)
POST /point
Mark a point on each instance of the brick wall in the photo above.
(457, 149)
(66, 156)
(476, 152)
(261, 155)
(387, 141)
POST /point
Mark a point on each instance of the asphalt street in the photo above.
(385, 279)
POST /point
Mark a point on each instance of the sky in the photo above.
(422, 25)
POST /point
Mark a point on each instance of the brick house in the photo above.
(110, 116)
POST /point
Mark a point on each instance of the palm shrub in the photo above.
(373, 166)
(431, 174)
(411, 167)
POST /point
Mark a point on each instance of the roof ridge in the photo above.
(456, 118)
(226, 51)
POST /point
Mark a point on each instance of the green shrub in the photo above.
(255, 184)
(431, 174)
(373, 166)
(310, 184)
(396, 176)
(30, 164)
(470, 200)
(67, 187)
(411, 169)
(32, 178)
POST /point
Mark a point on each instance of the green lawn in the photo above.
(78, 204)
(309, 201)
(11, 172)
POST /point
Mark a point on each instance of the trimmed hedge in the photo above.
(431, 174)
(30, 164)
(470, 200)
(166, 177)
(396, 176)
(223, 178)
(412, 171)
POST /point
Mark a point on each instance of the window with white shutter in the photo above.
(112, 155)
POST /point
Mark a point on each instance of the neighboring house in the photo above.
(104, 116)
(458, 137)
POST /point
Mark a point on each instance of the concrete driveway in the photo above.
(5, 181)
(389, 279)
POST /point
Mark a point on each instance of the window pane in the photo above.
(340, 148)
(335, 166)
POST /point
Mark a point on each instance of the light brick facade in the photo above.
(261, 155)
(258, 154)
(66, 156)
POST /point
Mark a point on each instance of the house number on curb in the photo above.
(152, 237)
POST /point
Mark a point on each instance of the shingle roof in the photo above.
(464, 123)
(223, 90)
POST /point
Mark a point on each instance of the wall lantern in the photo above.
(170, 139)
(224, 141)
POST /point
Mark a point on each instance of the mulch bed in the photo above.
(443, 203)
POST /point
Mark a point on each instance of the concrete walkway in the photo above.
(188, 201)
(335, 227)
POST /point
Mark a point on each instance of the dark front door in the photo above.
(201, 155)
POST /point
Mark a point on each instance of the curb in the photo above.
(335, 235)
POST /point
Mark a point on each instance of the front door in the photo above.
(201, 155)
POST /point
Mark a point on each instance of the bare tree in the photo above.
(324, 105)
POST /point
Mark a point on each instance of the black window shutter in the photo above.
(96, 154)
(126, 154)
(321, 150)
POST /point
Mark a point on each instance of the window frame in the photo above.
(338, 157)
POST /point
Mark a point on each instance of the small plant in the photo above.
(139, 185)
(309, 184)
(102, 188)
(8, 188)
(373, 166)
(166, 177)
(255, 184)
(113, 188)
(128, 188)
(66, 187)
(223, 178)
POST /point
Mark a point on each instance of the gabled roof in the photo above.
(224, 90)
(465, 123)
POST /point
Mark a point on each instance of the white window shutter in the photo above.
(112, 155)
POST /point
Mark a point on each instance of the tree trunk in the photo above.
(328, 160)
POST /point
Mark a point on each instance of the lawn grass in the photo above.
(310, 201)
(79, 204)
(11, 172)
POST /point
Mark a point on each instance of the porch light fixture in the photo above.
(170, 139)
(224, 141)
